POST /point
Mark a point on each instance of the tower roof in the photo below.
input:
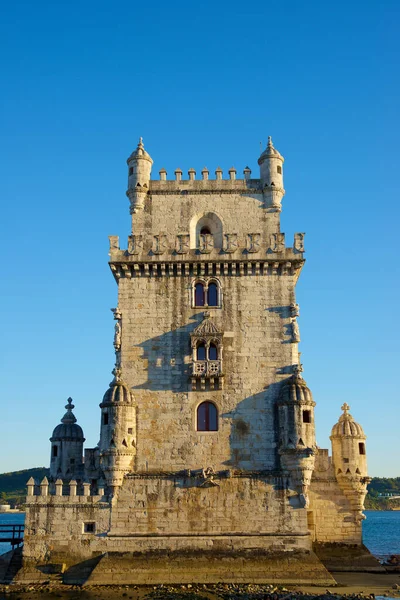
(207, 327)
(118, 392)
(68, 429)
(346, 426)
(294, 390)
(270, 152)
(140, 152)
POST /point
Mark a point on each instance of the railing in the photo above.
(12, 533)
(207, 368)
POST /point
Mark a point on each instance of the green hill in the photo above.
(13, 485)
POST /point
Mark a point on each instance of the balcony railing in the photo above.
(207, 368)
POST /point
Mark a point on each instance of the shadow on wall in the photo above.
(164, 359)
(254, 431)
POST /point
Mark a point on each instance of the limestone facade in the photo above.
(207, 432)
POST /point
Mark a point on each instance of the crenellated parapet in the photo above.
(60, 492)
(246, 254)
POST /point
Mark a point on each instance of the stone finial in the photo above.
(232, 173)
(69, 417)
(140, 144)
(205, 173)
(345, 408)
(178, 174)
(218, 173)
(86, 488)
(44, 487)
(163, 174)
(192, 174)
(72, 487)
(30, 484)
(59, 487)
(247, 173)
(117, 372)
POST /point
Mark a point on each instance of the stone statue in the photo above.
(295, 331)
(117, 336)
(294, 310)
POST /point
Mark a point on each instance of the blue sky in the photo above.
(204, 83)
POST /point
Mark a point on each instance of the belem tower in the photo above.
(207, 468)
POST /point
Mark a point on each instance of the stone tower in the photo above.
(350, 460)
(66, 460)
(207, 435)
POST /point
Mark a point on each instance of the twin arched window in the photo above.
(207, 294)
(207, 417)
(201, 351)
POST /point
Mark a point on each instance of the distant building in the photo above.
(207, 434)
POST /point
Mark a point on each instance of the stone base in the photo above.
(298, 567)
(348, 558)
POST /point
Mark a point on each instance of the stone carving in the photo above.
(253, 242)
(206, 243)
(230, 243)
(209, 476)
(295, 331)
(182, 243)
(117, 336)
(277, 242)
(135, 244)
(294, 310)
(160, 244)
(299, 242)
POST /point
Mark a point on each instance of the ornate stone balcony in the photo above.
(207, 368)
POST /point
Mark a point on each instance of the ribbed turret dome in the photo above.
(68, 429)
(346, 426)
(118, 392)
(140, 152)
(294, 390)
(270, 152)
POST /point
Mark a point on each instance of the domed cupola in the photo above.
(118, 392)
(297, 447)
(139, 171)
(271, 175)
(67, 447)
(117, 431)
(346, 426)
(350, 460)
(348, 445)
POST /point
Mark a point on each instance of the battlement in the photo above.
(205, 175)
(45, 492)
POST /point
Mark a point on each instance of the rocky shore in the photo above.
(352, 586)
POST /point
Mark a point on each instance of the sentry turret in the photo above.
(350, 459)
(139, 171)
(271, 175)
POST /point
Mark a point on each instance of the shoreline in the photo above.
(349, 585)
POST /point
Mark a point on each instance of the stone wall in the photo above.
(331, 518)
(156, 364)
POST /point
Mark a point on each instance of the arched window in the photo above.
(206, 292)
(201, 351)
(207, 417)
(213, 352)
(55, 451)
(212, 294)
(199, 294)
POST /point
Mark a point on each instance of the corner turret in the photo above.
(271, 175)
(66, 459)
(297, 446)
(117, 432)
(139, 171)
(350, 460)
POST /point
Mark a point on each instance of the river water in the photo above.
(381, 531)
